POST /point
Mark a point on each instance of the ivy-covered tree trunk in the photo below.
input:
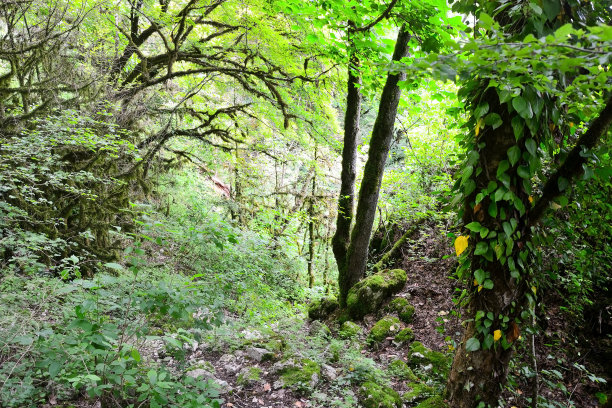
(518, 120)
(481, 360)
(501, 289)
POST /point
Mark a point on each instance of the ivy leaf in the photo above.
(474, 226)
(473, 344)
(523, 172)
(488, 284)
(514, 154)
(481, 248)
(502, 167)
(481, 109)
(480, 276)
(517, 126)
(507, 228)
(522, 107)
(530, 144)
(493, 119)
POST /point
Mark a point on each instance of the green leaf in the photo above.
(480, 276)
(562, 183)
(54, 369)
(493, 209)
(481, 248)
(523, 172)
(473, 344)
(499, 194)
(152, 374)
(514, 154)
(488, 284)
(517, 126)
(493, 119)
(536, 9)
(522, 107)
(507, 228)
(135, 355)
(473, 226)
(502, 167)
(485, 20)
(469, 186)
(552, 8)
(484, 231)
(531, 146)
(481, 109)
(563, 31)
(113, 265)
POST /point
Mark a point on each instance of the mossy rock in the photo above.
(420, 356)
(382, 328)
(369, 294)
(322, 308)
(403, 308)
(417, 392)
(249, 375)
(379, 396)
(404, 336)
(348, 330)
(400, 369)
(433, 402)
(301, 378)
(397, 304)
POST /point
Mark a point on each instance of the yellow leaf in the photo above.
(530, 198)
(533, 289)
(497, 335)
(475, 282)
(461, 243)
(480, 288)
(477, 130)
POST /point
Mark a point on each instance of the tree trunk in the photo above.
(311, 234)
(382, 135)
(346, 201)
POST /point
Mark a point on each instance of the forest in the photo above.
(305, 203)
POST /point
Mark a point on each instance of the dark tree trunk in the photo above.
(346, 201)
(382, 134)
(311, 229)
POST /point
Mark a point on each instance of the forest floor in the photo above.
(265, 352)
(565, 373)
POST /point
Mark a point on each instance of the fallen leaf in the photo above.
(267, 387)
(298, 404)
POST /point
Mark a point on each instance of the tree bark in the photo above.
(382, 135)
(340, 241)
